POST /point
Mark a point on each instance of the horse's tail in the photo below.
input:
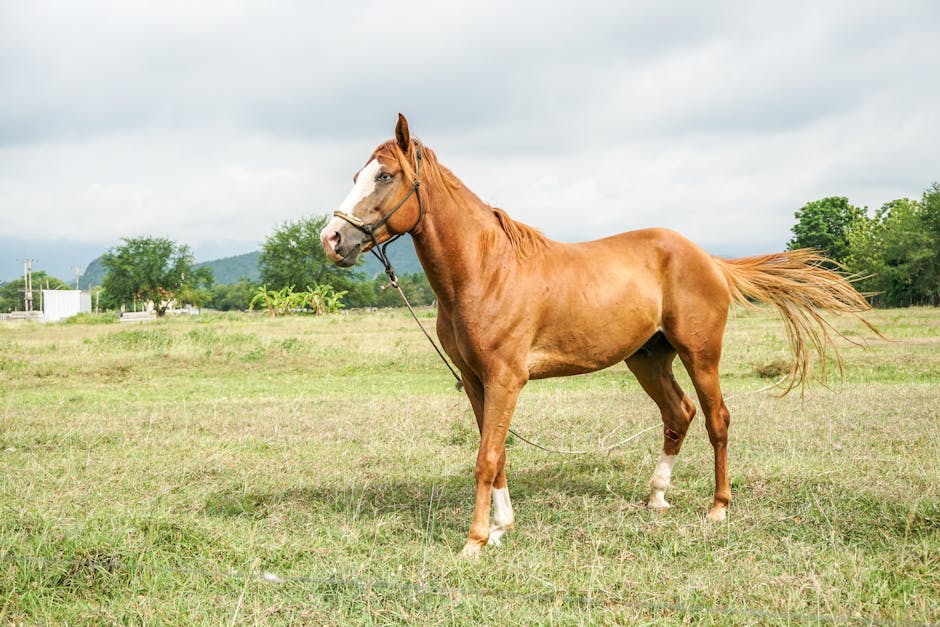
(801, 288)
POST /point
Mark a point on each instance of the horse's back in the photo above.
(654, 259)
(609, 296)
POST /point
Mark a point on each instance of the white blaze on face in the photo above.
(503, 516)
(660, 481)
(362, 188)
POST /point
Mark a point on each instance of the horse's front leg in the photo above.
(499, 402)
(503, 516)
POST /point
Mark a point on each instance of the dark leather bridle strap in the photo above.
(369, 229)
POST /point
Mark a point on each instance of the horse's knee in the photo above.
(717, 426)
(488, 465)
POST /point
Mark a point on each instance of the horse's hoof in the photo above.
(718, 513)
(471, 550)
(658, 505)
(496, 534)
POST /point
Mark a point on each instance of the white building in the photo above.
(61, 304)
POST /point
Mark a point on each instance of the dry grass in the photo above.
(156, 473)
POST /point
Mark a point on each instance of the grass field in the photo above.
(243, 470)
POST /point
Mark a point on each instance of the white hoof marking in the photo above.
(503, 516)
(659, 483)
(717, 514)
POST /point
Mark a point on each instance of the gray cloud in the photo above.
(212, 123)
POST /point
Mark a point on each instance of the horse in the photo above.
(514, 306)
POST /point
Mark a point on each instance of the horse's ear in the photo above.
(402, 136)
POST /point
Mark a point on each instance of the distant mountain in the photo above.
(93, 275)
(401, 254)
(232, 269)
(225, 271)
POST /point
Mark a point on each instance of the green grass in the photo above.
(320, 470)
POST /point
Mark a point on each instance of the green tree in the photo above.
(414, 285)
(823, 224)
(897, 251)
(11, 292)
(234, 296)
(930, 218)
(153, 269)
(293, 255)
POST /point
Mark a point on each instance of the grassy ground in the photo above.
(243, 470)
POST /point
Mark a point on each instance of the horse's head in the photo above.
(384, 200)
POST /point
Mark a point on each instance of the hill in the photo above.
(402, 255)
(232, 269)
(93, 275)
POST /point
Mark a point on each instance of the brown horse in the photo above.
(514, 305)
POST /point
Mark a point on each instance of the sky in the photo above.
(214, 122)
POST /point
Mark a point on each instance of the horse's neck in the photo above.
(450, 243)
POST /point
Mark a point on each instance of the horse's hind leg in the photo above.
(652, 366)
(702, 366)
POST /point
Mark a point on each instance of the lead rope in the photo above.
(393, 280)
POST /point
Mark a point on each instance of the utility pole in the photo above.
(28, 283)
(78, 275)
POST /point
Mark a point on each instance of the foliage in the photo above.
(822, 224)
(156, 270)
(897, 251)
(107, 317)
(895, 254)
(11, 292)
(294, 255)
(415, 286)
(276, 302)
(321, 299)
(233, 296)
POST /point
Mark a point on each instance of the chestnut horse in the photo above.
(514, 305)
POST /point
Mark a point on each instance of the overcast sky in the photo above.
(213, 122)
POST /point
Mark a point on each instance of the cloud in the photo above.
(215, 122)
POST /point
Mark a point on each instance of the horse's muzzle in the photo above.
(349, 258)
(342, 244)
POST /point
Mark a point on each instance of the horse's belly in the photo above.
(579, 356)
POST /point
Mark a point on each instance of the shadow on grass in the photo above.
(373, 499)
(812, 512)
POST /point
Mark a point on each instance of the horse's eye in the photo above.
(384, 177)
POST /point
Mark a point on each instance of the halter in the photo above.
(370, 229)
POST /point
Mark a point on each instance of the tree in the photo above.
(415, 286)
(153, 269)
(234, 296)
(897, 252)
(823, 224)
(930, 218)
(294, 256)
(11, 292)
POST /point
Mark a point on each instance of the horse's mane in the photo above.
(524, 239)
